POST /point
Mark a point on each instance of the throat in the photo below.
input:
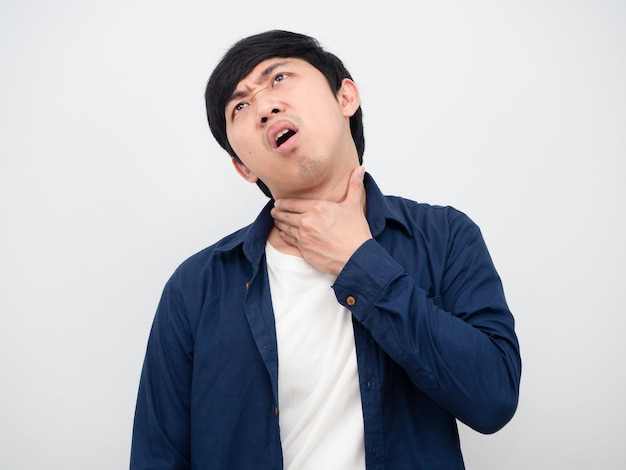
(280, 245)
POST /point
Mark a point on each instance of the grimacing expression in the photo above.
(287, 126)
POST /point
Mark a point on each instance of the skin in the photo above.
(315, 177)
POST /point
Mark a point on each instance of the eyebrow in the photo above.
(260, 78)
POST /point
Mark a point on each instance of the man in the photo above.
(342, 329)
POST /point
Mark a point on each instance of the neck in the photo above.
(331, 186)
(335, 192)
(280, 245)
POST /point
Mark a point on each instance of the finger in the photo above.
(288, 238)
(355, 186)
(297, 206)
(284, 227)
(286, 217)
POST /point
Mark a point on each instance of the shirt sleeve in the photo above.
(161, 431)
(458, 346)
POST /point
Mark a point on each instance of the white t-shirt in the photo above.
(321, 420)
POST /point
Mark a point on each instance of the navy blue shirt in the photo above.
(435, 342)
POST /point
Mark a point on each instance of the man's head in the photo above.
(247, 54)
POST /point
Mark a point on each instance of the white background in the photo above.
(513, 112)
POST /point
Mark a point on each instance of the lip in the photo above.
(277, 127)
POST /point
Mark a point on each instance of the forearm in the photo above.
(465, 360)
(161, 431)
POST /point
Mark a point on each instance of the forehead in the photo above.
(263, 70)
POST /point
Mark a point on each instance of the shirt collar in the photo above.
(380, 210)
(254, 236)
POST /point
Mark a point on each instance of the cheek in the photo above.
(327, 117)
(328, 109)
(239, 142)
(244, 138)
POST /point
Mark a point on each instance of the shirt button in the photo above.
(247, 285)
(350, 300)
(276, 411)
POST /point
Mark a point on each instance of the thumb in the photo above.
(355, 186)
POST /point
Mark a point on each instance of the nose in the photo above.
(264, 118)
(266, 104)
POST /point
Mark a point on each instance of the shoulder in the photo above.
(206, 265)
(431, 220)
(413, 216)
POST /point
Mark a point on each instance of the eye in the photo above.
(279, 78)
(238, 107)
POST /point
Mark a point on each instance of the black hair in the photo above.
(246, 54)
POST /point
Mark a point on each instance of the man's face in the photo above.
(289, 129)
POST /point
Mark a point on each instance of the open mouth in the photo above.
(283, 136)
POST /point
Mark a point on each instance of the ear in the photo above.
(349, 97)
(243, 171)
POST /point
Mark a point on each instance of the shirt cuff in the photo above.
(364, 277)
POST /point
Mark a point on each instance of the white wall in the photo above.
(514, 112)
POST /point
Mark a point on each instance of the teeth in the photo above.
(281, 133)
